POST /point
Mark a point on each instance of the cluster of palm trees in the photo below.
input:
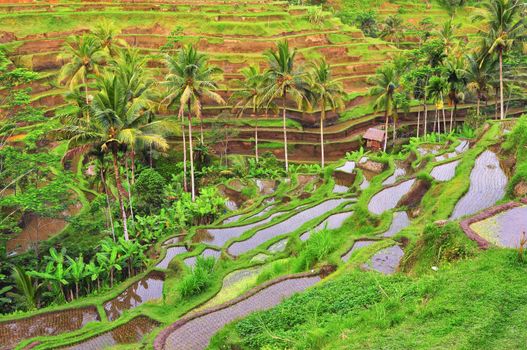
(283, 80)
(442, 69)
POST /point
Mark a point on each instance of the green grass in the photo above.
(473, 304)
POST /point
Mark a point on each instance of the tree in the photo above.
(106, 33)
(506, 29)
(326, 92)
(385, 81)
(447, 35)
(437, 86)
(283, 80)
(454, 71)
(85, 56)
(190, 80)
(250, 96)
(117, 122)
(478, 73)
(393, 29)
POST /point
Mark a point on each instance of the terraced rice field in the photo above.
(505, 229)
(388, 198)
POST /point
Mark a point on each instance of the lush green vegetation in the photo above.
(154, 147)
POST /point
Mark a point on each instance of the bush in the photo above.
(316, 248)
(199, 279)
(149, 188)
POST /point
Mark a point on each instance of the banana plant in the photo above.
(77, 271)
(55, 273)
(109, 258)
(132, 253)
(94, 271)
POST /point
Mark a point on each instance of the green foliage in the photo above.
(149, 189)
(199, 279)
(27, 290)
(315, 249)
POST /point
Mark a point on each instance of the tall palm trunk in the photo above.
(443, 112)
(385, 129)
(418, 120)
(201, 129)
(185, 186)
(502, 114)
(256, 135)
(87, 114)
(426, 118)
(109, 211)
(191, 151)
(130, 194)
(477, 105)
(132, 154)
(120, 190)
(285, 133)
(322, 119)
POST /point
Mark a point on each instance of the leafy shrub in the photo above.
(199, 279)
(149, 188)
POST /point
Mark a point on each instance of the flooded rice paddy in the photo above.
(170, 254)
(278, 247)
(331, 223)
(219, 236)
(444, 172)
(388, 198)
(504, 229)
(286, 226)
(399, 222)
(191, 261)
(356, 246)
(386, 261)
(196, 333)
(53, 323)
(487, 186)
(127, 333)
(148, 288)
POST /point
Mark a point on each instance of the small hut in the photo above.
(374, 139)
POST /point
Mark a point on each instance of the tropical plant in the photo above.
(106, 33)
(250, 97)
(326, 92)
(386, 81)
(190, 80)
(437, 87)
(454, 71)
(109, 258)
(283, 80)
(392, 29)
(27, 289)
(505, 30)
(118, 121)
(478, 73)
(84, 56)
(77, 271)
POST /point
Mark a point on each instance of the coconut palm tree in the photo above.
(85, 56)
(454, 71)
(478, 73)
(326, 92)
(190, 80)
(506, 29)
(118, 121)
(250, 97)
(447, 35)
(385, 81)
(437, 86)
(106, 33)
(283, 80)
(393, 29)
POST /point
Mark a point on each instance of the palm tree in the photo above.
(454, 70)
(326, 92)
(393, 29)
(478, 73)
(190, 80)
(84, 56)
(506, 29)
(250, 96)
(27, 289)
(106, 33)
(118, 122)
(385, 81)
(447, 35)
(283, 80)
(436, 88)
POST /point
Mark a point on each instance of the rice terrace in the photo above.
(263, 175)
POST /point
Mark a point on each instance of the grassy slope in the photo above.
(475, 304)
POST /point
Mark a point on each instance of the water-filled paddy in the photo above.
(385, 261)
(504, 229)
(388, 198)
